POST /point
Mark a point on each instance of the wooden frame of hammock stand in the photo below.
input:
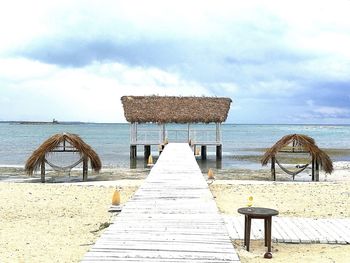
(298, 143)
(69, 149)
(315, 167)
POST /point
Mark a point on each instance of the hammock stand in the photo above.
(62, 149)
(315, 167)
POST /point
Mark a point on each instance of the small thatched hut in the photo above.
(162, 110)
(294, 144)
(61, 143)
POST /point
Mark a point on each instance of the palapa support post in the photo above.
(133, 151)
(313, 169)
(85, 168)
(273, 169)
(42, 172)
(219, 152)
(317, 175)
(147, 151)
(204, 152)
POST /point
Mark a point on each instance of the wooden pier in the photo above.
(294, 230)
(171, 218)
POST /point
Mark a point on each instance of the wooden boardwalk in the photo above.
(171, 218)
(294, 229)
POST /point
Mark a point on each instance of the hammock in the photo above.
(64, 168)
(302, 168)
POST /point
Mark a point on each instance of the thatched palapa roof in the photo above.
(35, 160)
(300, 143)
(164, 109)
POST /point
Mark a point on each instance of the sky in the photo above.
(279, 61)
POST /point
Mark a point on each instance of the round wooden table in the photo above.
(258, 213)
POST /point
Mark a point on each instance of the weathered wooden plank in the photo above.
(338, 235)
(297, 230)
(325, 235)
(171, 218)
(314, 233)
(257, 229)
(344, 226)
(147, 254)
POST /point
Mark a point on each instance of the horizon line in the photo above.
(224, 123)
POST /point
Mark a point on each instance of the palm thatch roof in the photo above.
(299, 143)
(55, 142)
(166, 109)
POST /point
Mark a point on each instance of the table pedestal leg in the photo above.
(269, 226)
(245, 230)
(265, 232)
(248, 228)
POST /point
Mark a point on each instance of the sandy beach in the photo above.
(59, 222)
(53, 222)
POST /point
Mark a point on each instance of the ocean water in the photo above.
(243, 145)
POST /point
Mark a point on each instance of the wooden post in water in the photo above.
(147, 151)
(85, 168)
(204, 152)
(273, 169)
(219, 152)
(42, 174)
(133, 151)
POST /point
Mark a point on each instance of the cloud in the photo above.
(284, 60)
(332, 112)
(86, 94)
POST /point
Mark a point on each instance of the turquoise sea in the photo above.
(243, 145)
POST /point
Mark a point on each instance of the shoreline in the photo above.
(17, 174)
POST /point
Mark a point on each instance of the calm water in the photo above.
(242, 144)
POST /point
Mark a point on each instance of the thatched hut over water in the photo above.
(298, 144)
(63, 143)
(163, 110)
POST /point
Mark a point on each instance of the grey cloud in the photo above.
(81, 52)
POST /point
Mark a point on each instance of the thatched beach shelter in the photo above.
(298, 144)
(63, 143)
(162, 110)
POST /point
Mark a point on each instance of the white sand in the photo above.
(52, 222)
(59, 222)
